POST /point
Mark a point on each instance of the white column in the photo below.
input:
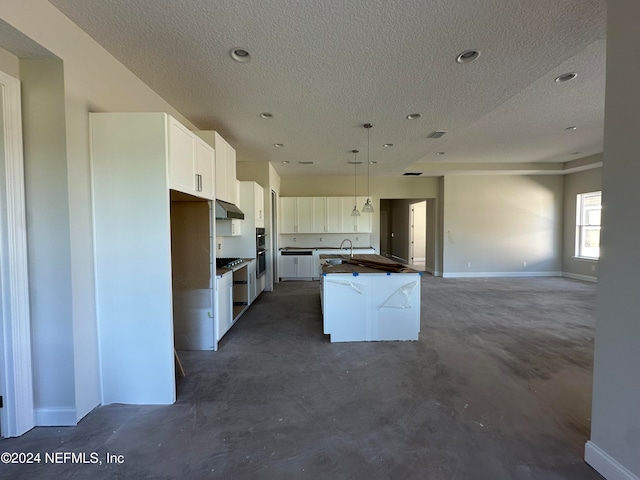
(615, 430)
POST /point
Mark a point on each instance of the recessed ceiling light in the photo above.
(388, 145)
(571, 128)
(305, 163)
(240, 55)
(565, 77)
(278, 145)
(373, 162)
(266, 115)
(413, 116)
(467, 56)
(440, 153)
(286, 161)
(354, 163)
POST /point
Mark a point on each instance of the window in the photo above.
(588, 224)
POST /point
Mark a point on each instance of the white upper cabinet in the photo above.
(191, 162)
(364, 223)
(305, 214)
(222, 185)
(334, 215)
(258, 205)
(234, 193)
(225, 166)
(182, 153)
(204, 171)
(322, 215)
(296, 215)
(288, 215)
(348, 222)
(357, 224)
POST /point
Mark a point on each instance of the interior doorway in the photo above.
(408, 231)
(418, 235)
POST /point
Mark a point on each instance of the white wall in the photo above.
(496, 223)
(9, 63)
(48, 234)
(615, 422)
(92, 81)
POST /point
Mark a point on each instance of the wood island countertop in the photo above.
(364, 263)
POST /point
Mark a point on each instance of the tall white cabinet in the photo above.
(136, 158)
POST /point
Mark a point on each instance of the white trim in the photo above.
(17, 381)
(605, 465)
(585, 259)
(577, 276)
(56, 417)
(499, 274)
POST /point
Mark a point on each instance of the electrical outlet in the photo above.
(219, 246)
(468, 264)
(524, 264)
(593, 268)
(295, 239)
(321, 238)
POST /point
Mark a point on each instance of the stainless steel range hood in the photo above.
(227, 211)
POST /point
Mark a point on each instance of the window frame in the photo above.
(582, 226)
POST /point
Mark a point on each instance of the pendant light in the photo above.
(355, 212)
(368, 206)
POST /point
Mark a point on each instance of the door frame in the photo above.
(16, 377)
(412, 233)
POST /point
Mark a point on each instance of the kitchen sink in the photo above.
(334, 261)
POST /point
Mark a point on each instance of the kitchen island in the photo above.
(369, 298)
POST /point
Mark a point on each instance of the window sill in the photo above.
(586, 259)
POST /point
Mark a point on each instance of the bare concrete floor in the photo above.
(498, 387)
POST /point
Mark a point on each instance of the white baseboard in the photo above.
(577, 276)
(605, 465)
(499, 274)
(55, 417)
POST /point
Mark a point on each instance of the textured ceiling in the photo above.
(323, 69)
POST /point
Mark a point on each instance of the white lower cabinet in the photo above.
(224, 307)
(253, 293)
(297, 265)
(371, 307)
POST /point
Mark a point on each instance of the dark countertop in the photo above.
(325, 248)
(222, 270)
(365, 266)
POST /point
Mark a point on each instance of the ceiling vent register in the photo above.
(437, 134)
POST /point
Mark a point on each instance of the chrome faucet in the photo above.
(350, 244)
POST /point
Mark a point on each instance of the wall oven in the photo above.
(261, 252)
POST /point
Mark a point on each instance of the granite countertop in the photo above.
(222, 270)
(366, 263)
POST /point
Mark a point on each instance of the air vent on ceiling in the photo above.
(412, 174)
(437, 134)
